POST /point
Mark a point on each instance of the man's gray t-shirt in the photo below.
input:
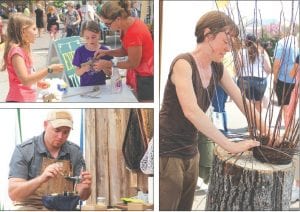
(27, 158)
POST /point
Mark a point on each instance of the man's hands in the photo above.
(84, 187)
(51, 172)
(86, 179)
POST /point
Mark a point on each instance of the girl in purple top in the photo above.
(91, 71)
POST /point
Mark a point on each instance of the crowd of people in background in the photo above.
(88, 11)
(253, 66)
(87, 21)
(200, 78)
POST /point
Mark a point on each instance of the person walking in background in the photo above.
(89, 13)
(18, 60)
(285, 54)
(52, 22)
(103, 27)
(13, 9)
(254, 68)
(220, 96)
(26, 12)
(72, 20)
(91, 71)
(134, 9)
(291, 113)
(137, 45)
(39, 18)
(218, 103)
(188, 94)
(291, 108)
(99, 6)
(78, 9)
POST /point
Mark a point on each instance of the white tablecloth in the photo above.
(104, 94)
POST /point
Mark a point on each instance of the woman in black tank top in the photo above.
(188, 92)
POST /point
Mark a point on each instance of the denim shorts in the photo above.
(253, 87)
(283, 92)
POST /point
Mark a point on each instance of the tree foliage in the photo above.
(59, 3)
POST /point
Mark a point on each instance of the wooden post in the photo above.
(242, 183)
(91, 150)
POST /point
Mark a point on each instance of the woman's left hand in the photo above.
(104, 65)
(100, 53)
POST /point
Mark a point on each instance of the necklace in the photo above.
(204, 73)
(205, 76)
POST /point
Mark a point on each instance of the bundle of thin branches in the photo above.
(276, 146)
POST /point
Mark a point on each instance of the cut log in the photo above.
(240, 182)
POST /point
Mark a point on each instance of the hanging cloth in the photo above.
(135, 144)
(147, 161)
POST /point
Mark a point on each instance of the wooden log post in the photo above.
(240, 182)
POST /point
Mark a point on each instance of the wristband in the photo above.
(114, 63)
(49, 70)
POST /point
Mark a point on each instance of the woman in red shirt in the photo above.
(137, 45)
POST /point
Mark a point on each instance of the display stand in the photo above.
(242, 183)
(62, 51)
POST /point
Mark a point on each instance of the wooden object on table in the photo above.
(135, 206)
(133, 179)
(94, 207)
(240, 182)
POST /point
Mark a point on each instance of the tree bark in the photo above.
(240, 182)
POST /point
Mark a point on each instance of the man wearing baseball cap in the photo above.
(39, 166)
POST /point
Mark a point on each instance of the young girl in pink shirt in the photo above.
(21, 33)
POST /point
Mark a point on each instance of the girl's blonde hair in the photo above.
(51, 9)
(70, 4)
(39, 6)
(16, 23)
(92, 26)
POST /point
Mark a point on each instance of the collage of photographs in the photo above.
(149, 105)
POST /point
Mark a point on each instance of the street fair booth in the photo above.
(66, 87)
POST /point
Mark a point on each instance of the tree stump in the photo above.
(240, 182)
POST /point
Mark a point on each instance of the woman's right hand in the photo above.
(56, 68)
(100, 53)
(242, 146)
